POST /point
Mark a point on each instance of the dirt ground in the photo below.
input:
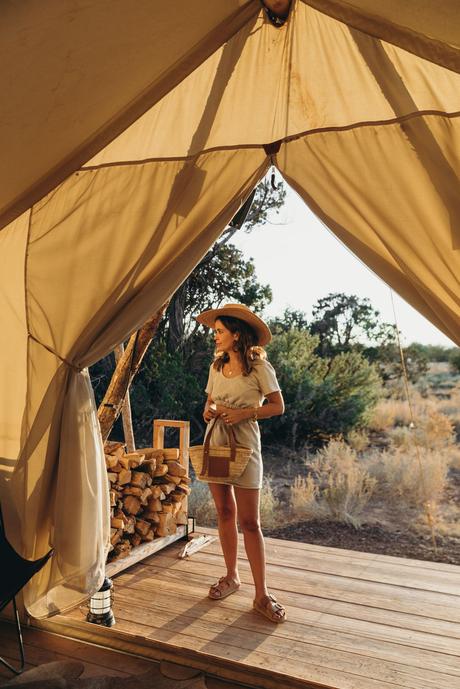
(372, 538)
(383, 530)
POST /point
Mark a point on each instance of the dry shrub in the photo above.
(383, 416)
(401, 437)
(344, 485)
(451, 408)
(270, 512)
(404, 479)
(454, 457)
(358, 440)
(396, 412)
(201, 505)
(304, 498)
(434, 430)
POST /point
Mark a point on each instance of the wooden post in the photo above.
(126, 369)
(159, 426)
(126, 408)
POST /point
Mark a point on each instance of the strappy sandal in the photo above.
(271, 609)
(223, 588)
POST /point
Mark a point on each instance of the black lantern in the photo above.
(100, 605)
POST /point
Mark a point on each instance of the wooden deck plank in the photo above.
(239, 622)
(40, 644)
(370, 569)
(400, 599)
(353, 622)
(304, 661)
(260, 671)
(161, 599)
(345, 553)
(307, 604)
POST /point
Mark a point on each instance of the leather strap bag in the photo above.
(219, 463)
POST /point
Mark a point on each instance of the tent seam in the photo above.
(366, 22)
(283, 140)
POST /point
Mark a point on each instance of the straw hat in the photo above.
(242, 312)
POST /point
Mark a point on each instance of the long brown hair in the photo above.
(246, 345)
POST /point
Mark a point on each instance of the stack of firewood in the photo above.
(148, 491)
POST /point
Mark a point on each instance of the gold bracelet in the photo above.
(254, 414)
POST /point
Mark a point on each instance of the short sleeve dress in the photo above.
(237, 392)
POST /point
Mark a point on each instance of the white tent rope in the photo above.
(426, 502)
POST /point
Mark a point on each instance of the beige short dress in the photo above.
(237, 392)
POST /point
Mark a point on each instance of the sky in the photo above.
(303, 261)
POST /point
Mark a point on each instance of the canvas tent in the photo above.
(133, 133)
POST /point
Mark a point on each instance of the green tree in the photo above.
(454, 359)
(346, 322)
(324, 396)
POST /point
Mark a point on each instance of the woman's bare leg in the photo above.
(248, 505)
(248, 501)
(224, 500)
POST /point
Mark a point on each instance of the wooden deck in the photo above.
(355, 620)
(43, 647)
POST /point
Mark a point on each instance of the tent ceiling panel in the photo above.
(428, 28)
(268, 84)
(394, 204)
(80, 72)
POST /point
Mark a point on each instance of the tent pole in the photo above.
(126, 368)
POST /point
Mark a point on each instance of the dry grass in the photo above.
(358, 440)
(395, 412)
(304, 498)
(269, 506)
(201, 505)
(338, 488)
(412, 476)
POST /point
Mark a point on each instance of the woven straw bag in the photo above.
(219, 463)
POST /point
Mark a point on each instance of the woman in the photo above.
(240, 379)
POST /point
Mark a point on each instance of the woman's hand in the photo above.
(232, 416)
(210, 412)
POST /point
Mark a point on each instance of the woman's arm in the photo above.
(209, 412)
(274, 407)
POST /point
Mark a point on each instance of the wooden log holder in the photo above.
(148, 496)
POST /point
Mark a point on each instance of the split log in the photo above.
(142, 527)
(154, 505)
(173, 479)
(161, 470)
(133, 490)
(124, 476)
(139, 479)
(151, 517)
(132, 504)
(157, 492)
(181, 519)
(145, 496)
(112, 447)
(176, 468)
(136, 539)
(131, 461)
(171, 453)
(148, 466)
(176, 497)
(152, 453)
(110, 461)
